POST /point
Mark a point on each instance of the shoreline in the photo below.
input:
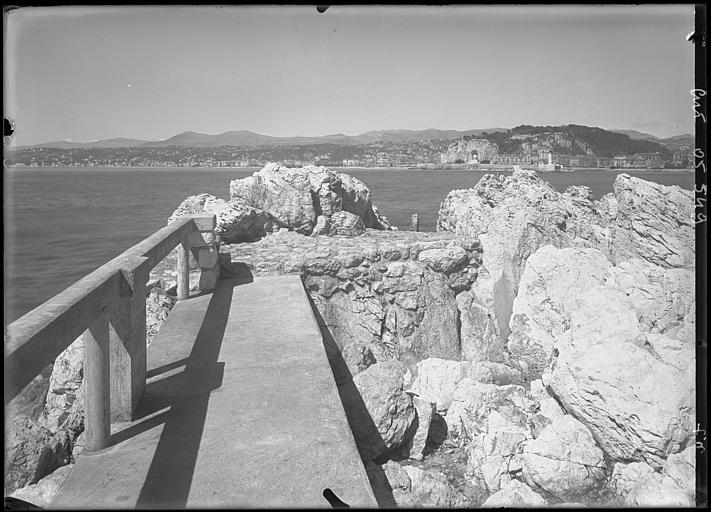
(345, 169)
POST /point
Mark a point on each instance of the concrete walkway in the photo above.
(241, 410)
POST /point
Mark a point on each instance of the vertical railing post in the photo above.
(415, 222)
(128, 340)
(183, 269)
(96, 379)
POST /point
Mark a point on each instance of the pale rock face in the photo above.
(444, 260)
(346, 224)
(624, 364)
(480, 338)
(654, 222)
(473, 402)
(31, 452)
(306, 199)
(491, 451)
(674, 486)
(436, 380)
(563, 459)
(514, 216)
(626, 476)
(515, 494)
(64, 409)
(236, 221)
(43, 492)
(389, 407)
(431, 489)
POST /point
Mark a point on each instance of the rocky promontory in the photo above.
(538, 349)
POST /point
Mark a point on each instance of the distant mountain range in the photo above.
(244, 138)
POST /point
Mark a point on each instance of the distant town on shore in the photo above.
(548, 147)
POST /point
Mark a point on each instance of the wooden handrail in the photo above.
(37, 338)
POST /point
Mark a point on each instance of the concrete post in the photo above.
(415, 222)
(183, 277)
(96, 378)
(128, 342)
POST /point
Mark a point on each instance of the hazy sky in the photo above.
(80, 73)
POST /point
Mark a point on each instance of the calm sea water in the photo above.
(60, 224)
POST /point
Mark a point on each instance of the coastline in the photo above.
(442, 167)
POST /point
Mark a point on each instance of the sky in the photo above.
(88, 73)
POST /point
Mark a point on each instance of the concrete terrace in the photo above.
(240, 410)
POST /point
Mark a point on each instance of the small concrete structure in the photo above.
(240, 410)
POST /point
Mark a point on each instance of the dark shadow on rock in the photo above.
(437, 434)
(368, 440)
(237, 271)
(186, 395)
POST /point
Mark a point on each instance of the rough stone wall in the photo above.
(385, 295)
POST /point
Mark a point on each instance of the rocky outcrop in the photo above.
(617, 346)
(513, 216)
(308, 197)
(515, 494)
(236, 221)
(516, 215)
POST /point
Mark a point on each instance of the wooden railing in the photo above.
(108, 309)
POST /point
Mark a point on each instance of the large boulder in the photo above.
(236, 221)
(654, 222)
(563, 460)
(617, 347)
(299, 197)
(380, 412)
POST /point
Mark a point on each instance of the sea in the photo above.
(62, 223)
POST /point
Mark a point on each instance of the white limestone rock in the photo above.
(297, 197)
(617, 361)
(236, 220)
(563, 460)
(436, 380)
(654, 222)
